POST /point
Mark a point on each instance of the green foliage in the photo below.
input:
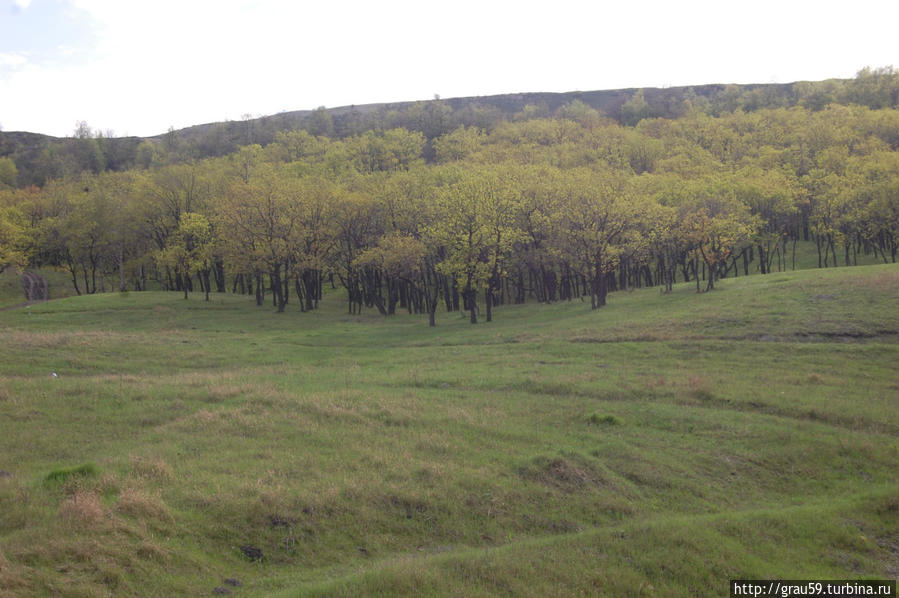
(459, 144)
(13, 238)
(423, 207)
(634, 109)
(8, 173)
(320, 122)
(874, 88)
(85, 470)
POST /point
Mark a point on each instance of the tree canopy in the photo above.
(547, 206)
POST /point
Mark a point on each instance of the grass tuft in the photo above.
(569, 473)
(142, 505)
(596, 419)
(152, 468)
(82, 508)
(86, 470)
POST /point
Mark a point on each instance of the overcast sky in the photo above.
(137, 67)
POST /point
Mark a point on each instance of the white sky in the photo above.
(137, 67)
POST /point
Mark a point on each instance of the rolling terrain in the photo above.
(662, 445)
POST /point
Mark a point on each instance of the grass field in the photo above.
(659, 446)
(12, 293)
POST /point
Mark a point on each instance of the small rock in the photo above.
(232, 582)
(220, 591)
(5, 474)
(53, 375)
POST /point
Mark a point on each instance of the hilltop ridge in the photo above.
(39, 157)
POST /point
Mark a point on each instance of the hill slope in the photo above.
(663, 444)
(40, 157)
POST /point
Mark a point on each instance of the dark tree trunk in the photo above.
(298, 289)
(277, 288)
(260, 290)
(219, 276)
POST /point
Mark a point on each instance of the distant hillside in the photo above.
(39, 158)
(483, 111)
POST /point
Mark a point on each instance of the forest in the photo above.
(466, 207)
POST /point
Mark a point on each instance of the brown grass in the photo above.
(882, 281)
(51, 340)
(152, 468)
(13, 579)
(141, 504)
(200, 419)
(221, 392)
(565, 474)
(83, 508)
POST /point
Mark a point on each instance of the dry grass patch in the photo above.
(568, 474)
(140, 504)
(21, 339)
(221, 392)
(888, 282)
(119, 378)
(14, 580)
(220, 386)
(152, 468)
(82, 508)
(200, 420)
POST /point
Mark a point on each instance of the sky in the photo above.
(139, 67)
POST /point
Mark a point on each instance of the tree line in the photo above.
(39, 158)
(573, 205)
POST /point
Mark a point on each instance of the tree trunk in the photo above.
(260, 290)
(219, 276)
(469, 295)
(122, 286)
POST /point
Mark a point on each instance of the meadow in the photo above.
(661, 445)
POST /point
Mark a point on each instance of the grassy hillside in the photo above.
(59, 285)
(659, 446)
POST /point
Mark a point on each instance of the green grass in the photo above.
(59, 285)
(661, 445)
(65, 473)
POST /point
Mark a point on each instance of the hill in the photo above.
(40, 158)
(664, 444)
